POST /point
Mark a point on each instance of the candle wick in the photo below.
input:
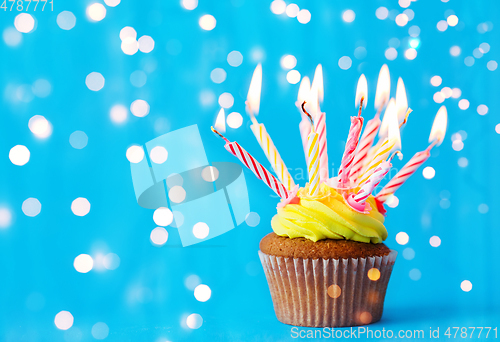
(432, 145)
(308, 115)
(398, 152)
(220, 135)
(380, 108)
(406, 118)
(361, 105)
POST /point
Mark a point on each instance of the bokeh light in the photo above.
(209, 174)
(201, 230)
(293, 77)
(455, 51)
(304, 16)
(177, 194)
(96, 12)
(226, 100)
(163, 216)
(452, 20)
(463, 104)
(374, 274)
(234, 120)
(288, 62)
(218, 75)
(202, 293)
(19, 155)
(436, 81)
(5, 217)
(234, 58)
(334, 291)
(402, 238)
(146, 44)
(348, 16)
(78, 139)
(391, 53)
(83, 263)
(382, 13)
(466, 285)
(111, 261)
(345, 62)
(189, 4)
(278, 7)
(401, 19)
(415, 274)
(435, 241)
(463, 162)
(194, 321)
(31, 207)
(64, 320)
(159, 236)
(24, 22)
(292, 10)
(408, 253)
(428, 172)
(66, 20)
(94, 81)
(80, 206)
(100, 331)
(135, 154)
(482, 109)
(252, 219)
(207, 22)
(139, 108)
(158, 154)
(483, 208)
(40, 126)
(12, 37)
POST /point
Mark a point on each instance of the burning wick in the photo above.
(361, 105)
(398, 153)
(406, 118)
(220, 135)
(308, 115)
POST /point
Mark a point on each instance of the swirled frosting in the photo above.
(327, 216)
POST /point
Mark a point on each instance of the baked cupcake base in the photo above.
(329, 283)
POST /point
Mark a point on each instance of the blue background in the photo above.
(145, 298)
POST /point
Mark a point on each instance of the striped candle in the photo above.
(305, 129)
(372, 182)
(272, 154)
(320, 127)
(382, 153)
(364, 146)
(260, 171)
(349, 151)
(401, 177)
(313, 162)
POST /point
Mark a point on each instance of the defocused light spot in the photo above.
(83, 263)
(207, 22)
(128, 33)
(257, 54)
(463, 162)
(348, 16)
(177, 194)
(174, 179)
(408, 253)
(210, 174)
(365, 317)
(40, 126)
(19, 155)
(483, 208)
(401, 19)
(94, 81)
(409, 13)
(129, 46)
(12, 37)
(404, 3)
(482, 109)
(78, 139)
(135, 154)
(138, 78)
(410, 54)
(66, 20)
(435, 241)
(392, 201)
(334, 291)
(466, 285)
(444, 203)
(492, 65)
(207, 98)
(288, 62)
(202, 293)
(484, 47)
(159, 236)
(292, 10)
(497, 128)
(218, 75)
(226, 100)
(428, 172)
(304, 16)
(446, 91)
(96, 12)
(158, 154)
(194, 321)
(455, 51)
(438, 97)
(192, 281)
(293, 77)
(178, 219)
(374, 274)
(139, 108)
(163, 216)
(24, 22)
(111, 261)
(234, 120)
(463, 104)
(5, 217)
(382, 13)
(234, 58)
(456, 93)
(469, 61)
(146, 44)
(278, 7)
(402, 238)
(64, 320)
(415, 274)
(394, 42)
(100, 331)
(345, 62)
(80, 206)
(201, 230)
(41, 88)
(442, 25)
(452, 20)
(189, 4)
(31, 207)
(477, 53)
(391, 53)
(112, 3)
(360, 52)
(436, 81)
(457, 145)
(414, 31)
(414, 43)
(252, 219)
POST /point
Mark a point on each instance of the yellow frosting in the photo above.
(327, 216)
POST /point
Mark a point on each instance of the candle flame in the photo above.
(383, 88)
(318, 82)
(253, 97)
(438, 130)
(401, 101)
(220, 122)
(313, 102)
(361, 91)
(382, 133)
(304, 89)
(393, 125)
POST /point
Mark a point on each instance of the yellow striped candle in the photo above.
(382, 153)
(313, 162)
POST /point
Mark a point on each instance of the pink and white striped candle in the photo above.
(320, 128)
(250, 162)
(349, 151)
(364, 146)
(374, 180)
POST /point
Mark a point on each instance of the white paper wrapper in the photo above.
(299, 289)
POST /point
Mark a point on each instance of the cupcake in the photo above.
(325, 263)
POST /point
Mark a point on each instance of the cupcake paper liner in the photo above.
(328, 292)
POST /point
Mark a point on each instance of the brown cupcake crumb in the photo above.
(276, 245)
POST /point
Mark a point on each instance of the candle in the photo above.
(312, 157)
(354, 133)
(260, 171)
(260, 132)
(304, 125)
(436, 137)
(316, 96)
(366, 190)
(393, 141)
(364, 146)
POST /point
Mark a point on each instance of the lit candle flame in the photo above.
(220, 122)
(438, 130)
(312, 102)
(383, 88)
(361, 91)
(382, 133)
(393, 125)
(318, 82)
(401, 101)
(253, 97)
(304, 89)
